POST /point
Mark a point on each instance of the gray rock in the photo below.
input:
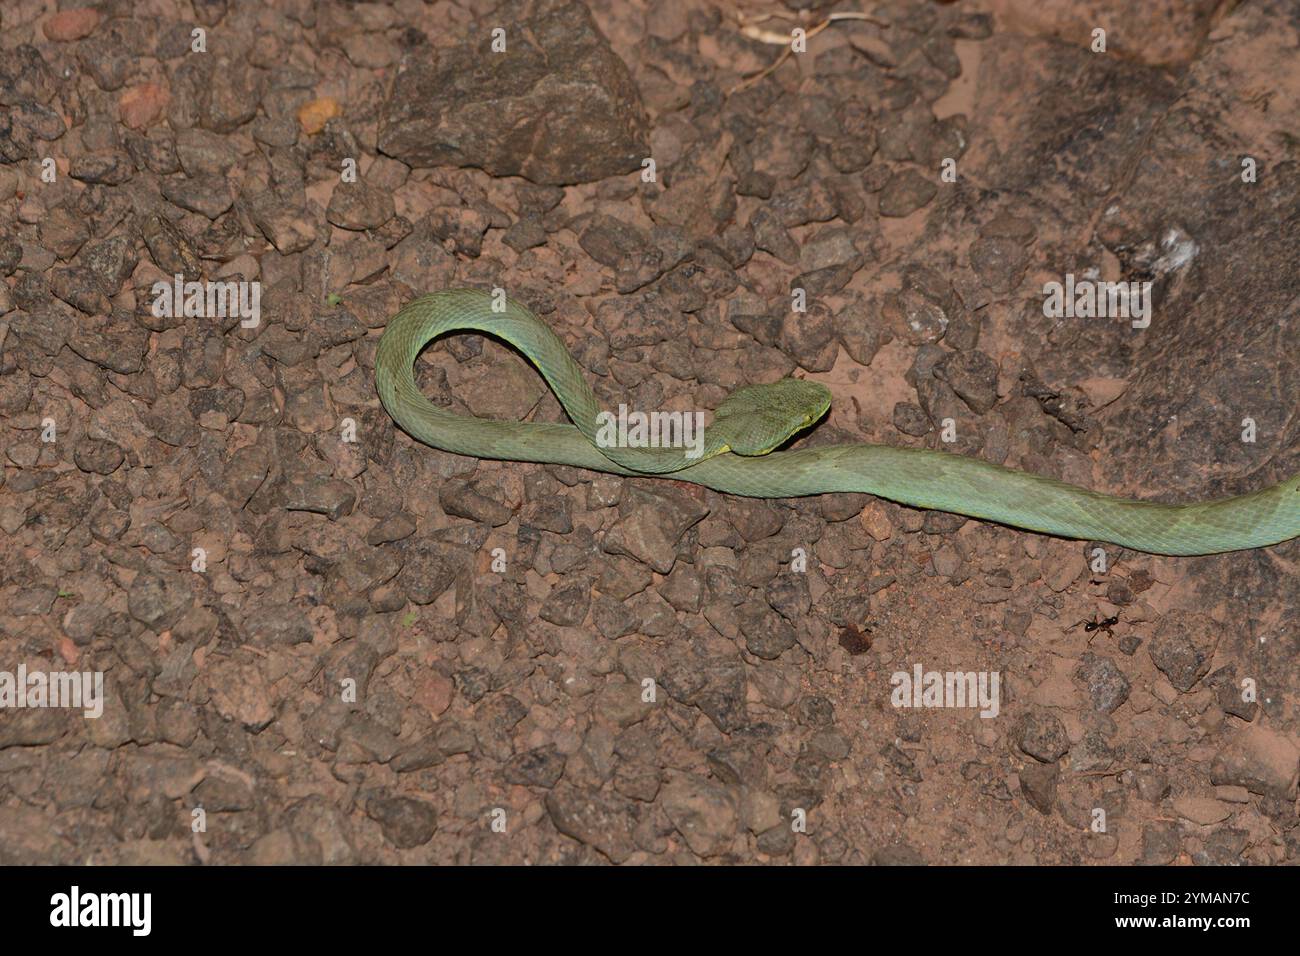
(1260, 759)
(459, 499)
(331, 497)
(776, 841)
(706, 814)
(429, 566)
(158, 600)
(279, 625)
(897, 854)
(275, 131)
(284, 848)
(63, 231)
(771, 236)
(78, 287)
(816, 711)
(910, 419)
(473, 683)
(809, 337)
(920, 320)
(406, 822)
(1092, 753)
(612, 242)
(789, 596)
(973, 376)
(207, 195)
(1038, 784)
(621, 578)
(364, 740)
(557, 107)
(107, 168)
(28, 839)
(1229, 698)
(283, 219)
(233, 97)
(567, 604)
(359, 206)
(539, 767)
(419, 754)
(905, 192)
(1152, 785)
(999, 262)
(1042, 735)
(527, 233)
(653, 524)
(722, 698)
(395, 527)
(858, 327)
(28, 602)
(1161, 844)
(619, 703)
(97, 456)
(1107, 686)
(602, 821)
(754, 518)
(1182, 649)
(639, 781)
(683, 588)
(361, 570)
(224, 793)
(1223, 847)
(830, 744)
(614, 619)
(830, 247)
(204, 153)
(33, 726)
(767, 634)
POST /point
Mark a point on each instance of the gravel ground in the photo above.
(321, 642)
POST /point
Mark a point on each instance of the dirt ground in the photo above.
(322, 642)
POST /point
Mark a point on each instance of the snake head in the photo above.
(755, 419)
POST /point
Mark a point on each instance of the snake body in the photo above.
(912, 476)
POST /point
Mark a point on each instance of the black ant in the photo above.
(1091, 627)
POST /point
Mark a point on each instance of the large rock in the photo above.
(1260, 759)
(704, 813)
(558, 106)
(652, 523)
(602, 821)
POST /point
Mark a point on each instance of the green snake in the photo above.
(738, 457)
